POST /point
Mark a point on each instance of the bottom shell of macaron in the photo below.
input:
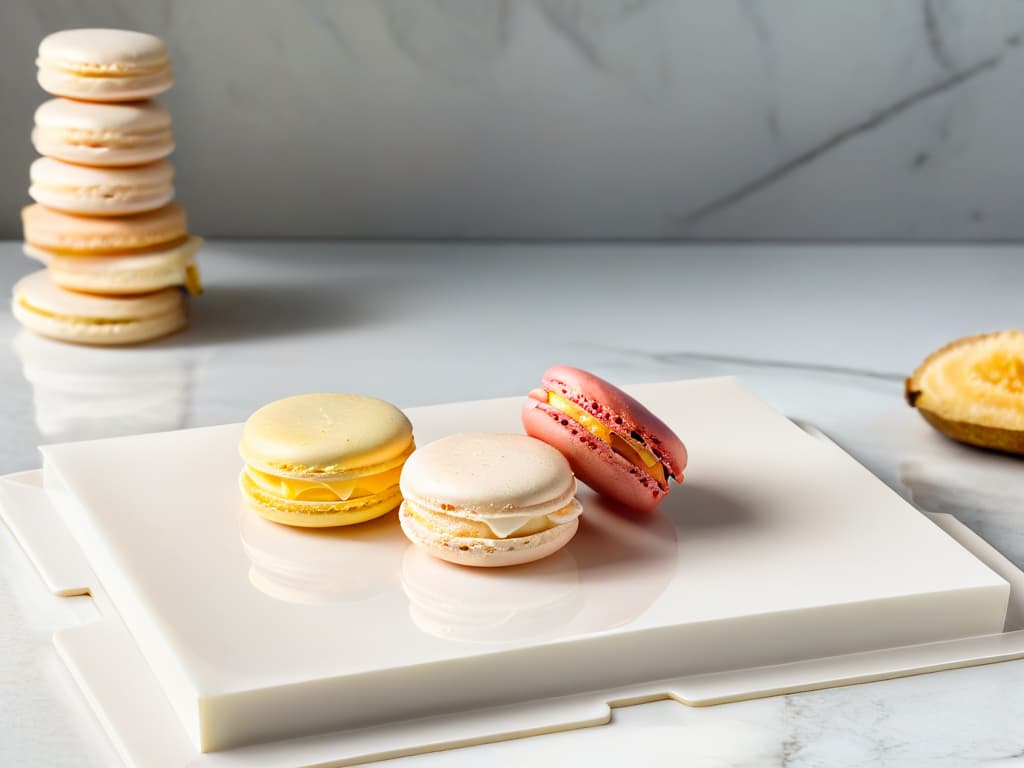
(318, 514)
(487, 552)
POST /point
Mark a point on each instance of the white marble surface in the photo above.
(570, 118)
(826, 333)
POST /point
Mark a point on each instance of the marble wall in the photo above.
(571, 118)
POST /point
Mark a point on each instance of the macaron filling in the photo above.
(631, 446)
(103, 191)
(296, 489)
(496, 527)
(24, 304)
(102, 69)
(104, 139)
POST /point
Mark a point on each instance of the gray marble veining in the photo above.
(570, 118)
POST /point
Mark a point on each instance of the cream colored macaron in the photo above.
(73, 235)
(92, 191)
(103, 134)
(322, 460)
(104, 65)
(488, 499)
(43, 307)
(125, 275)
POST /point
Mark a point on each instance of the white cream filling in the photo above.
(503, 527)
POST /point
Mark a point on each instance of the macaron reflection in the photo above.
(318, 566)
(611, 574)
(491, 605)
(83, 393)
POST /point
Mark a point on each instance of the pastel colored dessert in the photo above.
(972, 390)
(324, 459)
(104, 65)
(486, 499)
(125, 275)
(612, 441)
(92, 191)
(132, 133)
(68, 234)
(43, 307)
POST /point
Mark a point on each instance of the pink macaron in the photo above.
(612, 441)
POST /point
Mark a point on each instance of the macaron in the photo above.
(485, 499)
(91, 191)
(322, 460)
(125, 275)
(43, 307)
(104, 65)
(132, 133)
(612, 441)
(72, 235)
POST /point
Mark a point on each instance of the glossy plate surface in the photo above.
(778, 548)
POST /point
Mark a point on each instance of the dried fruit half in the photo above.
(972, 390)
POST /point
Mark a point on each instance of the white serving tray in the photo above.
(780, 565)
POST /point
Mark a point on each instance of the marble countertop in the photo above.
(826, 333)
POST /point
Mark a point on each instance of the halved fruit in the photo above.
(972, 390)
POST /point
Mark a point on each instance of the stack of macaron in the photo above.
(478, 499)
(116, 247)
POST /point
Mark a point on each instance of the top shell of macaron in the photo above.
(326, 435)
(619, 411)
(124, 117)
(103, 52)
(489, 474)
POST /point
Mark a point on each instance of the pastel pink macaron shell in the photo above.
(592, 460)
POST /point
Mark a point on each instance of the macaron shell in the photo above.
(68, 233)
(50, 311)
(326, 435)
(592, 459)
(612, 404)
(132, 332)
(103, 51)
(103, 134)
(488, 553)
(39, 290)
(91, 191)
(104, 64)
(318, 514)
(484, 475)
(125, 275)
(104, 89)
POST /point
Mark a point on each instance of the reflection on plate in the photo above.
(626, 561)
(82, 393)
(609, 575)
(316, 566)
(500, 605)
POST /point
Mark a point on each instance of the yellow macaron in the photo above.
(323, 460)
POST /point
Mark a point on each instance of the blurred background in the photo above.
(530, 119)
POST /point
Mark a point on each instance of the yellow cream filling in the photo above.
(193, 284)
(74, 319)
(639, 455)
(98, 249)
(323, 490)
(84, 69)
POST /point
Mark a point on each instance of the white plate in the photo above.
(778, 549)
